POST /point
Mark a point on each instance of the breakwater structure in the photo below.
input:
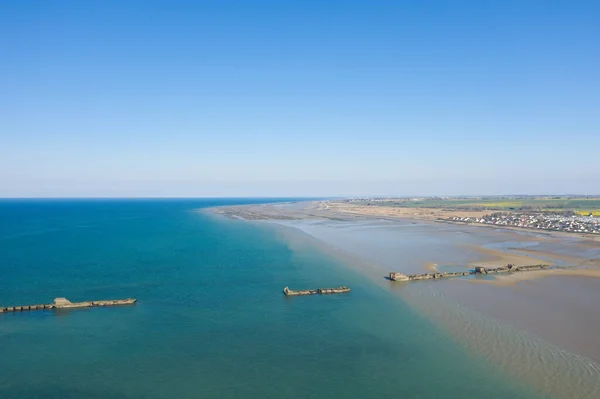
(318, 291)
(479, 270)
(64, 303)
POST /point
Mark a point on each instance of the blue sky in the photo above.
(299, 98)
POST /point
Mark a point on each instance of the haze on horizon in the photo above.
(311, 98)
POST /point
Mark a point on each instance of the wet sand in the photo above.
(561, 307)
(543, 330)
(503, 329)
(496, 258)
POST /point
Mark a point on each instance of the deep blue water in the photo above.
(211, 321)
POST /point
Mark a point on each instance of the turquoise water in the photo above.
(211, 321)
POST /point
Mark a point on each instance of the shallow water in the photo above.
(528, 357)
(394, 246)
(562, 309)
(211, 321)
(545, 336)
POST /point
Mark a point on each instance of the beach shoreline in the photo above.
(376, 245)
(289, 213)
(342, 211)
(515, 278)
(438, 215)
(323, 210)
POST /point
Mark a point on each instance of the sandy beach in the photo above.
(349, 211)
(514, 278)
(392, 211)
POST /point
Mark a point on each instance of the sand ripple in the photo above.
(526, 357)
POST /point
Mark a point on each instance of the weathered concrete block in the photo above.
(62, 302)
(394, 276)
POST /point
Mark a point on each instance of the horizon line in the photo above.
(300, 197)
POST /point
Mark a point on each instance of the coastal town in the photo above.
(541, 221)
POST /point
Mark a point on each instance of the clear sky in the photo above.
(299, 98)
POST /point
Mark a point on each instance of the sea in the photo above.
(211, 320)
